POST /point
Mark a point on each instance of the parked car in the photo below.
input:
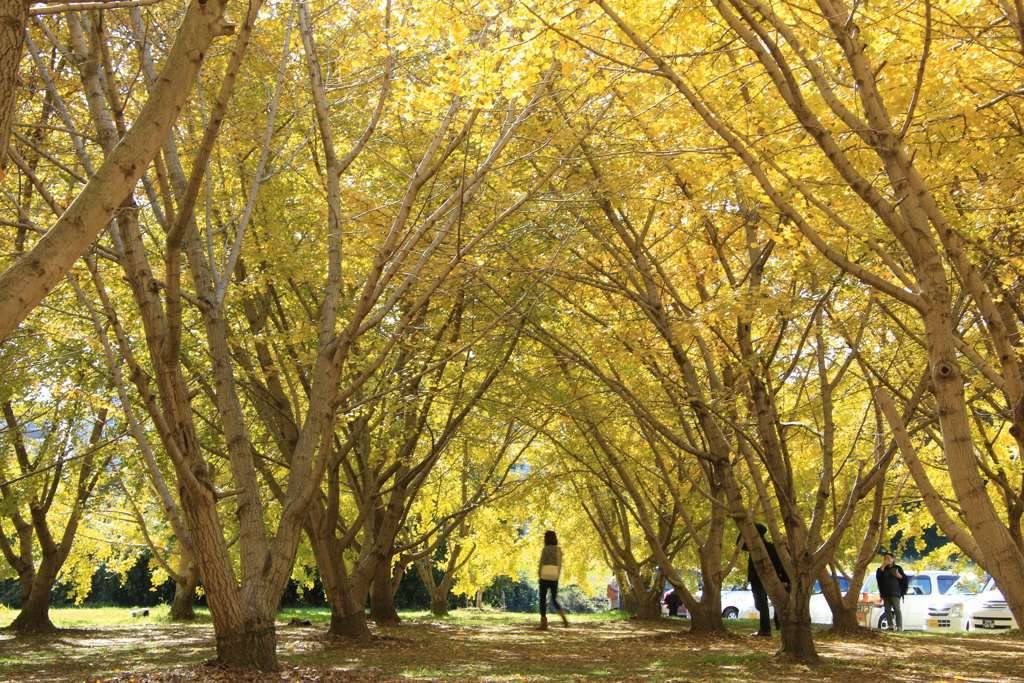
(925, 587)
(821, 613)
(953, 612)
(738, 603)
(992, 613)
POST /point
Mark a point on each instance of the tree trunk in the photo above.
(183, 605)
(438, 592)
(797, 643)
(649, 606)
(795, 622)
(629, 600)
(1004, 560)
(702, 620)
(254, 648)
(347, 602)
(382, 597)
(13, 20)
(844, 617)
(34, 616)
(348, 612)
(351, 625)
(439, 603)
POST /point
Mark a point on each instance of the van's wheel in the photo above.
(883, 623)
(730, 613)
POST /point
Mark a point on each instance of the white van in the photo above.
(992, 613)
(925, 587)
(953, 612)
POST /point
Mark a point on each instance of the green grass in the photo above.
(100, 617)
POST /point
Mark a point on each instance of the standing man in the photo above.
(892, 583)
(757, 588)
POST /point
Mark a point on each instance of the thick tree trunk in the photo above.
(844, 619)
(183, 605)
(255, 648)
(797, 643)
(351, 625)
(348, 611)
(382, 597)
(34, 616)
(439, 603)
(795, 622)
(702, 620)
(649, 606)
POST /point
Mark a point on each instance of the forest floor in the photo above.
(490, 647)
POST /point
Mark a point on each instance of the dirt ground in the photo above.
(506, 648)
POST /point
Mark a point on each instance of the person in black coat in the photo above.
(673, 601)
(892, 582)
(757, 588)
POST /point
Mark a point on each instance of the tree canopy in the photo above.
(388, 287)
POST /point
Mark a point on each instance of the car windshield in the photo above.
(844, 585)
(967, 585)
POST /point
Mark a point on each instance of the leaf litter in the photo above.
(482, 650)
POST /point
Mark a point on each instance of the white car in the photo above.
(953, 612)
(925, 587)
(738, 603)
(992, 613)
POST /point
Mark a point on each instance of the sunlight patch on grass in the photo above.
(98, 617)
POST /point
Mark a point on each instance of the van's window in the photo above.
(945, 582)
(844, 585)
(920, 585)
(968, 584)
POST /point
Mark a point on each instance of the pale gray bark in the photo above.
(26, 282)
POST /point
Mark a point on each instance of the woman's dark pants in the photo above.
(545, 585)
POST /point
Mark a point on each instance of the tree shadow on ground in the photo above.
(483, 650)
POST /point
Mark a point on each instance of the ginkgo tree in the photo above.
(851, 119)
(60, 440)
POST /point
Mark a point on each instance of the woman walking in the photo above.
(549, 569)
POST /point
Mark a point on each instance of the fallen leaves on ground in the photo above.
(491, 649)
